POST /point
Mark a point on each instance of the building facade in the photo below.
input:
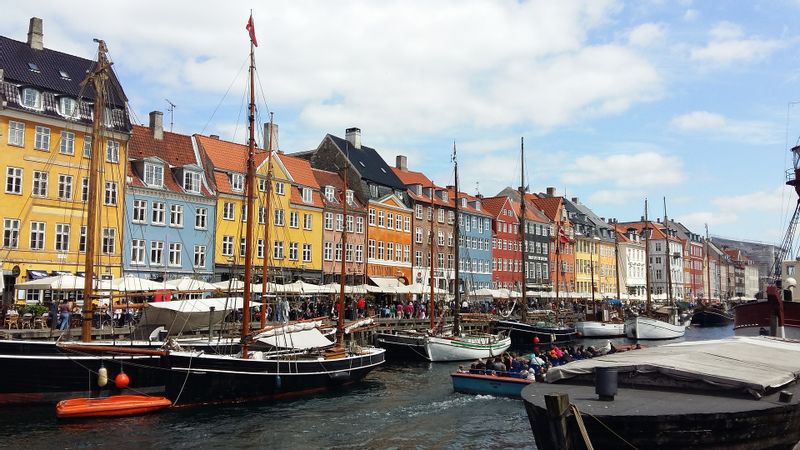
(506, 243)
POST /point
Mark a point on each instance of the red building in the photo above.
(506, 243)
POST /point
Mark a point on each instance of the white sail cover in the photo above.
(298, 340)
(754, 364)
(184, 315)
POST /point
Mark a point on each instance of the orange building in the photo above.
(389, 240)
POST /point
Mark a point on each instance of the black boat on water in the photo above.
(528, 335)
(711, 316)
(404, 345)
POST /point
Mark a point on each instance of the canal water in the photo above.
(399, 406)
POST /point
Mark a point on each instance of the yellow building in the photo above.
(45, 145)
(294, 218)
(606, 261)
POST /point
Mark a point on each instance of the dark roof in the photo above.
(369, 164)
(15, 57)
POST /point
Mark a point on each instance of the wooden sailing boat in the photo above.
(707, 313)
(199, 378)
(647, 325)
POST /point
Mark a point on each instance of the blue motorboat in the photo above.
(473, 383)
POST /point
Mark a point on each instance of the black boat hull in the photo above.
(193, 380)
(402, 347)
(711, 318)
(525, 335)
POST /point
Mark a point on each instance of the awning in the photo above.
(37, 274)
(298, 340)
(387, 285)
(60, 272)
(185, 315)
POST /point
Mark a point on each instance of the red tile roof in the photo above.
(494, 205)
(228, 156)
(409, 177)
(299, 170)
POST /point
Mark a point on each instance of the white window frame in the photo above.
(110, 197)
(39, 183)
(279, 217)
(327, 251)
(294, 219)
(68, 107)
(67, 143)
(112, 151)
(109, 241)
(308, 221)
(65, 186)
(154, 175)
(227, 246)
(61, 242)
(191, 182)
(176, 216)
(228, 211)
(11, 233)
(159, 214)
(199, 261)
(175, 250)
(42, 139)
(156, 253)
(307, 195)
(237, 182)
(16, 133)
(306, 252)
(31, 98)
(279, 188)
(201, 219)
(138, 252)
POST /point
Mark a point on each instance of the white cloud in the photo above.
(626, 170)
(615, 196)
(691, 15)
(753, 132)
(727, 45)
(647, 34)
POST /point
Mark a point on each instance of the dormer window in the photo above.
(191, 182)
(373, 190)
(349, 196)
(444, 196)
(64, 75)
(68, 106)
(463, 202)
(33, 67)
(329, 193)
(418, 189)
(478, 204)
(153, 175)
(31, 98)
(306, 195)
(237, 182)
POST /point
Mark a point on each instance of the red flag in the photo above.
(562, 236)
(251, 27)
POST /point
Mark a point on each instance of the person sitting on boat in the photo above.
(461, 369)
(478, 367)
(498, 367)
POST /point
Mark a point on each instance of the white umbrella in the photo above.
(189, 284)
(130, 283)
(55, 283)
(230, 285)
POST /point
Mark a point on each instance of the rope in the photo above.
(183, 386)
(579, 419)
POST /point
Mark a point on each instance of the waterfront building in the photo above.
(375, 185)
(587, 269)
(712, 270)
(693, 258)
(334, 223)
(474, 243)
(46, 125)
(663, 244)
(170, 210)
(632, 264)
(603, 260)
(562, 242)
(506, 243)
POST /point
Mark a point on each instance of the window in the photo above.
(349, 223)
(349, 196)
(451, 217)
(67, 146)
(242, 246)
(237, 182)
(359, 225)
(328, 221)
(16, 133)
(109, 241)
(294, 219)
(31, 98)
(398, 222)
(175, 254)
(260, 248)
(450, 263)
(154, 175)
(440, 239)
(87, 146)
(277, 250)
(176, 216)
(262, 185)
(407, 224)
(191, 182)
(390, 221)
(450, 240)
(359, 253)
(348, 252)
(406, 253)
(329, 193)
(139, 208)
(137, 251)
(37, 236)
(227, 211)
(201, 219)
(39, 184)
(85, 190)
(339, 222)
(380, 249)
(262, 214)
(390, 251)
(306, 252)
(307, 221)
(159, 213)
(337, 252)
(371, 249)
(199, 256)
(418, 235)
(373, 189)
(82, 239)
(112, 151)
(418, 258)
(279, 218)
(372, 216)
(10, 233)
(227, 245)
(68, 106)
(381, 219)
(64, 187)
(327, 251)
(62, 237)
(418, 212)
(306, 195)
(293, 248)
(156, 253)
(279, 188)
(111, 193)
(430, 213)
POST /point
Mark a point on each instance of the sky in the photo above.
(688, 101)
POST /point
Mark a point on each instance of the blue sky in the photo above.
(617, 101)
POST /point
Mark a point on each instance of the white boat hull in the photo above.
(466, 348)
(592, 329)
(649, 328)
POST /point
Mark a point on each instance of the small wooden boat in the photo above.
(114, 406)
(473, 383)
(593, 328)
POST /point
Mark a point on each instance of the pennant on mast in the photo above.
(251, 28)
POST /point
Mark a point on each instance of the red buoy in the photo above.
(536, 339)
(121, 381)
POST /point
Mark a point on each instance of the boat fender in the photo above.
(340, 377)
(278, 383)
(102, 376)
(536, 339)
(552, 337)
(121, 381)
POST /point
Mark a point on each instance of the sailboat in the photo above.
(648, 326)
(708, 314)
(522, 333)
(199, 378)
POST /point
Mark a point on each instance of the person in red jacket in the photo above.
(362, 307)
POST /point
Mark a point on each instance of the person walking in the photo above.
(63, 315)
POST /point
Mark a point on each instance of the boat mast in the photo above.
(667, 251)
(558, 253)
(523, 313)
(456, 253)
(97, 77)
(616, 261)
(708, 267)
(342, 272)
(267, 215)
(647, 257)
(432, 302)
(248, 240)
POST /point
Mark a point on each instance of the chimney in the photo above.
(642, 219)
(214, 136)
(353, 136)
(35, 34)
(401, 162)
(157, 124)
(551, 192)
(271, 132)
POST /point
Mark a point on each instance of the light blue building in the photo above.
(475, 244)
(170, 210)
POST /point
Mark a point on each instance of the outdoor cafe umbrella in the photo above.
(54, 283)
(130, 283)
(190, 284)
